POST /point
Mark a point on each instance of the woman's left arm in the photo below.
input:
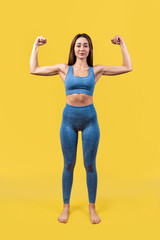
(126, 57)
(126, 66)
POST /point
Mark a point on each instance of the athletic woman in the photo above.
(79, 114)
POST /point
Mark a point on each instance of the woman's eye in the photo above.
(84, 46)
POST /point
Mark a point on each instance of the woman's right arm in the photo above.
(34, 59)
(34, 67)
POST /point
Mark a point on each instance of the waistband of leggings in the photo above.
(85, 106)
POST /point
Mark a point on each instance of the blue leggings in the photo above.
(74, 119)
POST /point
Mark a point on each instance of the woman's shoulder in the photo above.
(63, 67)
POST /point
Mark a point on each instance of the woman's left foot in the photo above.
(93, 214)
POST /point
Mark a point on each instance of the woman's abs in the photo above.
(79, 99)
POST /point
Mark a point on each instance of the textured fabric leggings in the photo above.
(74, 119)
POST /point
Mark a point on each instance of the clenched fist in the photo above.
(40, 41)
(117, 40)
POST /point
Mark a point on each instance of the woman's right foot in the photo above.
(64, 215)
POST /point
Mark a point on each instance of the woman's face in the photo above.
(81, 48)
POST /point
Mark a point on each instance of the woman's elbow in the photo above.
(130, 69)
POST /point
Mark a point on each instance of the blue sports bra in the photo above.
(74, 84)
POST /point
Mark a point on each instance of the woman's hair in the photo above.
(72, 56)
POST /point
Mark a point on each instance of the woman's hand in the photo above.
(40, 41)
(117, 40)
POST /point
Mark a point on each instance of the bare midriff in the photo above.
(79, 99)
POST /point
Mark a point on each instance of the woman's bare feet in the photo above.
(64, 215)
(93, 214)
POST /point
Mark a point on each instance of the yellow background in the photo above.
(127, 105)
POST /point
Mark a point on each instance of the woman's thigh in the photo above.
(69, 139)
(90, 141)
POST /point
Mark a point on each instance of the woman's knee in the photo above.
(70, 166)
(90, 167)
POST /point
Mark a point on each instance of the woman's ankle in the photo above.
(91, 205)
(66, 205)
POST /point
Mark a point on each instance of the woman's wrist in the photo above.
(35, 45)
(122, 44)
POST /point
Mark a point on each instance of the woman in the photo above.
(79, 114)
